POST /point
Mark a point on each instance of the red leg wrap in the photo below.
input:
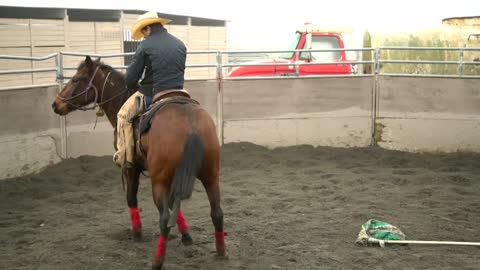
(136, 222)
(220, 242)
(181, 223)
(162, 247)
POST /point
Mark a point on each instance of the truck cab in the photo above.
(307, 38)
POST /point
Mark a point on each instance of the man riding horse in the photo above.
(179, 142)
(161, 58)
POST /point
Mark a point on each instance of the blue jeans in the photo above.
(148, 101)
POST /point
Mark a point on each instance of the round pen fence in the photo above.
(416, 105)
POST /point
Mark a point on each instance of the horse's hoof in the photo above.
(137, 236)
(158, 263)
(187, 239)
(137, 233)
(221, 255)
(221, 252)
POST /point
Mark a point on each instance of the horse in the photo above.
(180, 145)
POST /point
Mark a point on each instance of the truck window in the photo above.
(292, 47)
(322, 43)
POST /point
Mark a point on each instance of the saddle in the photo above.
(159, 101)
(143, 120)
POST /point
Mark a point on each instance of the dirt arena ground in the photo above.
(288, 208)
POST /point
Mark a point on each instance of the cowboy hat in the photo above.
(148, 18)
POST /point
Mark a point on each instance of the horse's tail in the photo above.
(190, 164)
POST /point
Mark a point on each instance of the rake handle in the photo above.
(383, 242)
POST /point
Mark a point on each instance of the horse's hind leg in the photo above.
(182, 224)
(213, 192)
(132, 175)
(183, 229)
(160, 197)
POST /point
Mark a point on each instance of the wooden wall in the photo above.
(33, 37)
(29, 37)
(40, 37)
(93, 37)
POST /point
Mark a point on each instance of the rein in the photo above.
(87, 89)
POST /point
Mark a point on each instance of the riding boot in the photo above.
(117, 159)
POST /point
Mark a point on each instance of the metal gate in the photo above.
(129, 45)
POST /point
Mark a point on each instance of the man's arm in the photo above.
(135, 69)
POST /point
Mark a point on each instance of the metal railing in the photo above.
(298, 63)
(221, 68)
(33, 70)
(460, 63)
(377, 61)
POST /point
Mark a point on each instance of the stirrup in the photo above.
(115, 160)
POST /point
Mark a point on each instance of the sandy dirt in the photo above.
(288, 208)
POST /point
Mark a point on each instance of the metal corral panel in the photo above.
(30, 135)
(27, 111)
(15, 79)
(317, 111)
(83, 139)
(429, 114)
(44, 77)
(205, 92)
(285, 98)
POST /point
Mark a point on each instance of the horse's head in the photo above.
(81, 90)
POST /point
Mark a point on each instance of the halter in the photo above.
(87, 89)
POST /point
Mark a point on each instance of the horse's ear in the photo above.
(88, 61)
(98, 60)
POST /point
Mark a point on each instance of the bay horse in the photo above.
(180, 145)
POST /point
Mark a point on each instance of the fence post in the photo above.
(297, 66)
(219, 78)
(375, 94)
(63, 118)
(460, 65)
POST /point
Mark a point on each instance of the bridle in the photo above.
(87, 89)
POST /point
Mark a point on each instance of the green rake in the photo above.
(376, 232)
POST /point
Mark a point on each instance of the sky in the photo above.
(374, 15)
(265, 24)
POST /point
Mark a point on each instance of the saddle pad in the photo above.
(146, 118)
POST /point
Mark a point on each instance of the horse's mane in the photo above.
(115, 73)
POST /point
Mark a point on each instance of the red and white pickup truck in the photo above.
(309, 37)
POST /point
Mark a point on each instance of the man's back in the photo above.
(164, 57)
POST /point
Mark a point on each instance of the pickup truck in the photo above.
(308, 37)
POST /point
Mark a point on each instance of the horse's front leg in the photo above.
(132, 176)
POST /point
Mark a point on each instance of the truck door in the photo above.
(322, 42)
(289, 57)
